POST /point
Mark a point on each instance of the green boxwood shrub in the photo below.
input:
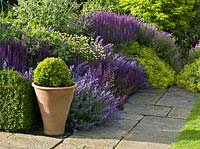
(159, 74)
(189, 77)
(18, 106)
(52, 72)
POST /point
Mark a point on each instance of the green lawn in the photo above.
(189, 137)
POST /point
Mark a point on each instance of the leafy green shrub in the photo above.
(40, 42)
(99, 5)
(159, 74)
(189, 77)
(52, 72)
(194, 32)
(164, 44)
(50, 13)
(170, 16)
(18, 106)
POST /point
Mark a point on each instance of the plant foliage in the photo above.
(114, 28)
(99, 5)
(50, 13)
(194, 53)
(93, 104)
(189, 77)
(170, 16)
(18, 106)
(159, 74)
(52, 72)
(117, 29)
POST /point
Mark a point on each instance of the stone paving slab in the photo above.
(102, 138)
(148, 138)
(181, 113)
(147, 110)
(4, 136)
(176, 101)
(131, 116)
(116, 131)
(152, 133)
(146, 97)
(159, 126)
(128, 144)
(87, 143)
(25, 141)
(179, 90)
(177, 97)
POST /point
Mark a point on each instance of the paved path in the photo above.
(150, 120)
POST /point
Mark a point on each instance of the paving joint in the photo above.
(163, 94)
(57, 144)
(162, 117)
(163, 106)
(169, 112)
(128, 132)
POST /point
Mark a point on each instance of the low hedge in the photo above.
(18, 106)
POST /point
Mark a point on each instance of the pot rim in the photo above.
(54, 88)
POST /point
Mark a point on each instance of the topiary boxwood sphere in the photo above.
(52, 72)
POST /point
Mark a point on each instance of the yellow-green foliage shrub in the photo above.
(160, 74)
(189, 77)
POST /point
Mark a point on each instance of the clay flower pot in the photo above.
(54, 104)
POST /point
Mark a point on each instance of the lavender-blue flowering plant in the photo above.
(117, 29)
(114, 28)
(123, 76)
(93, 104)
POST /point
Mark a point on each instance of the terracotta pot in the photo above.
(54, 104)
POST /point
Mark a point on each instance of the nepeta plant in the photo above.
(93, 104)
